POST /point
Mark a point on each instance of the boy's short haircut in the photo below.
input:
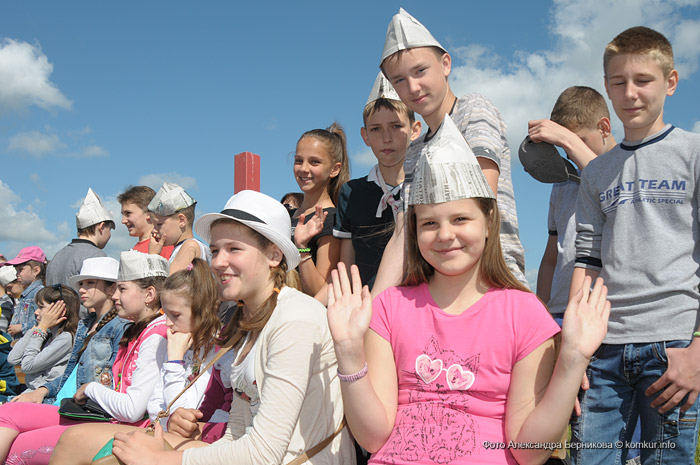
(388, 104)
(189, 214)
(641, 40)
(579, 107)
(90, 230)
(436, 50)
(138, 195)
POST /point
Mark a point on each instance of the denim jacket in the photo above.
(96, 362)
(25, 307)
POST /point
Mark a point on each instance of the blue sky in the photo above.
(103, 95)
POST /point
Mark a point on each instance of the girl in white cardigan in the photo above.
(284, 372)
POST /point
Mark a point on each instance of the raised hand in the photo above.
(349, 310)
(55, 314)
(305, 231)
(586, 319)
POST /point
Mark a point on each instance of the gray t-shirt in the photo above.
(68, 261)
(562, 223)
(638, 224)
(482, 126)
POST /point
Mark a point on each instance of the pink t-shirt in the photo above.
(454, 371)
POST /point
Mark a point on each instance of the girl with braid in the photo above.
(282, 366)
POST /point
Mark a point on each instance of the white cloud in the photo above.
(696, 127)
(20, 223)
(24, 78)
(35, 143)
(91, 151)
(156, 180)
(363, 158)
(525, 86)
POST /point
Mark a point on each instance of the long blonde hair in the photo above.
(493, 271)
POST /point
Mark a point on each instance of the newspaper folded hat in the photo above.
(447, 170)
(136, 265)
(170, 199)
(382, 88)
(543, 162)
(92, 211)
(7, 275)
(406, 32)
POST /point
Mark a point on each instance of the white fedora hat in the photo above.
(104, 268)
(260, 213)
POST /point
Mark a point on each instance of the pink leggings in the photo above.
(39, 427)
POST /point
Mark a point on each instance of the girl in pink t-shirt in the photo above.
(461, 358)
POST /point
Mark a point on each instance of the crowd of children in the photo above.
(386, 315)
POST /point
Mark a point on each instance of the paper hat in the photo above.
(104, 268)
(260, 213)
(170, 199)
(32, 252)
(7, 275)
(136, 265)
(447, 170)
(382, 88)
(543, 162)
(406, 32)
(92, 211)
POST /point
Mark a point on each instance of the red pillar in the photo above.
(246, 166)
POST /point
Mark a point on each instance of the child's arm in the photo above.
(538, 408)
(130, 406)
(370, 402)
(544, 130)
(347, 253)
(315, 275)
(390, 270)
(188, 252)
(546, 271)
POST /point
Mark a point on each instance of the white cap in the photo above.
(7, 275)
(406, 32)
(447, 170)
(260, 213)
(136, 265)
(92, 211)
(104, 268)
(382, 88)
(170, 199)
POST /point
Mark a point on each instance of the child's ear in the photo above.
(415, 130)
(336, 170)
(36, 269)
(151, 295)
(446, 62)
(604, 126)
(671, 82)
(182, 221)
(274, 255)
(363, 133)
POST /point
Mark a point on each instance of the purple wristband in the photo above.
(355, 376)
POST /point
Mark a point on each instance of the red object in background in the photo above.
(246, 174)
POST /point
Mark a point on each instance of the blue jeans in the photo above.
(618, 375)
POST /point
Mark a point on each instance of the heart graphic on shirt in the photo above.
(459, 379)
(428, 369)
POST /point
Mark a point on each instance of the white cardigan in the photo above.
(300, 399)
